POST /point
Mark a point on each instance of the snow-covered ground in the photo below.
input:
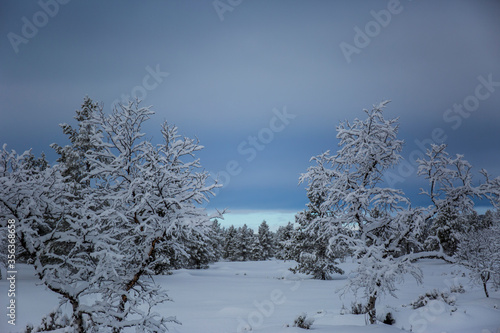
(265, 297)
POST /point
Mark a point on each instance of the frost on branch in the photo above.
(360, 217)
(451, 192)
(479, 251)
(92, 223)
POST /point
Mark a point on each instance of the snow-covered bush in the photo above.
(434, 294)
(319, 267)
(480, 252)
(54, 321)
(457, 289)
(388, 319)
(358, 308)
(302, 321)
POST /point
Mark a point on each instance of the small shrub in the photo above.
(457, 289)
(54, 321)
(358, 308)
(389, 320)
(433, 295)
(303, 322)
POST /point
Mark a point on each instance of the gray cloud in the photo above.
(226, 77)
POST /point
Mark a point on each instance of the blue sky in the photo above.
(262, 84)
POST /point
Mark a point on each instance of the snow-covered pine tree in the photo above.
(266, 241)
(255, 249)
(216, 241)
(231, 251)
(202, 250)
(349, 203)
(451, 192)
(244, 242)
(72, 157)
(284, 236)
(310, 248)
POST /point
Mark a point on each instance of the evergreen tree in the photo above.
(284, 236)
(216, 241)
(255, 249)
(244, 242)
(231, 251)
(266, 241)
(72, 158)
(310, 248)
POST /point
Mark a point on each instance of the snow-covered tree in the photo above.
(75, 164)
(452, 193)
(216, 241)
(255, 249)
(92, 223)
(479, 250)
(310, 248)
(266, 241)
(284, 236)
(153, 193)
(230, 250)
(491, 190)
(244, 242)
(48, 217)
(363, 218)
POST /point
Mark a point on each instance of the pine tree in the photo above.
(266, 241)
(216, 240)
(255, 249)
(72, 158)
(284, 236)
(244, 243)
(231, 251)
(310, 248)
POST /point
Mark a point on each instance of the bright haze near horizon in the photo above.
(262, 84)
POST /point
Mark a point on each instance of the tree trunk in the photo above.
(485, 290)
(137, 276)
(77, 317)
(485, 278)
(372, 312)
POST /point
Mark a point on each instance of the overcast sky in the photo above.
(262, 84)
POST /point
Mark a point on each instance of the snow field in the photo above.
(265, 297)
